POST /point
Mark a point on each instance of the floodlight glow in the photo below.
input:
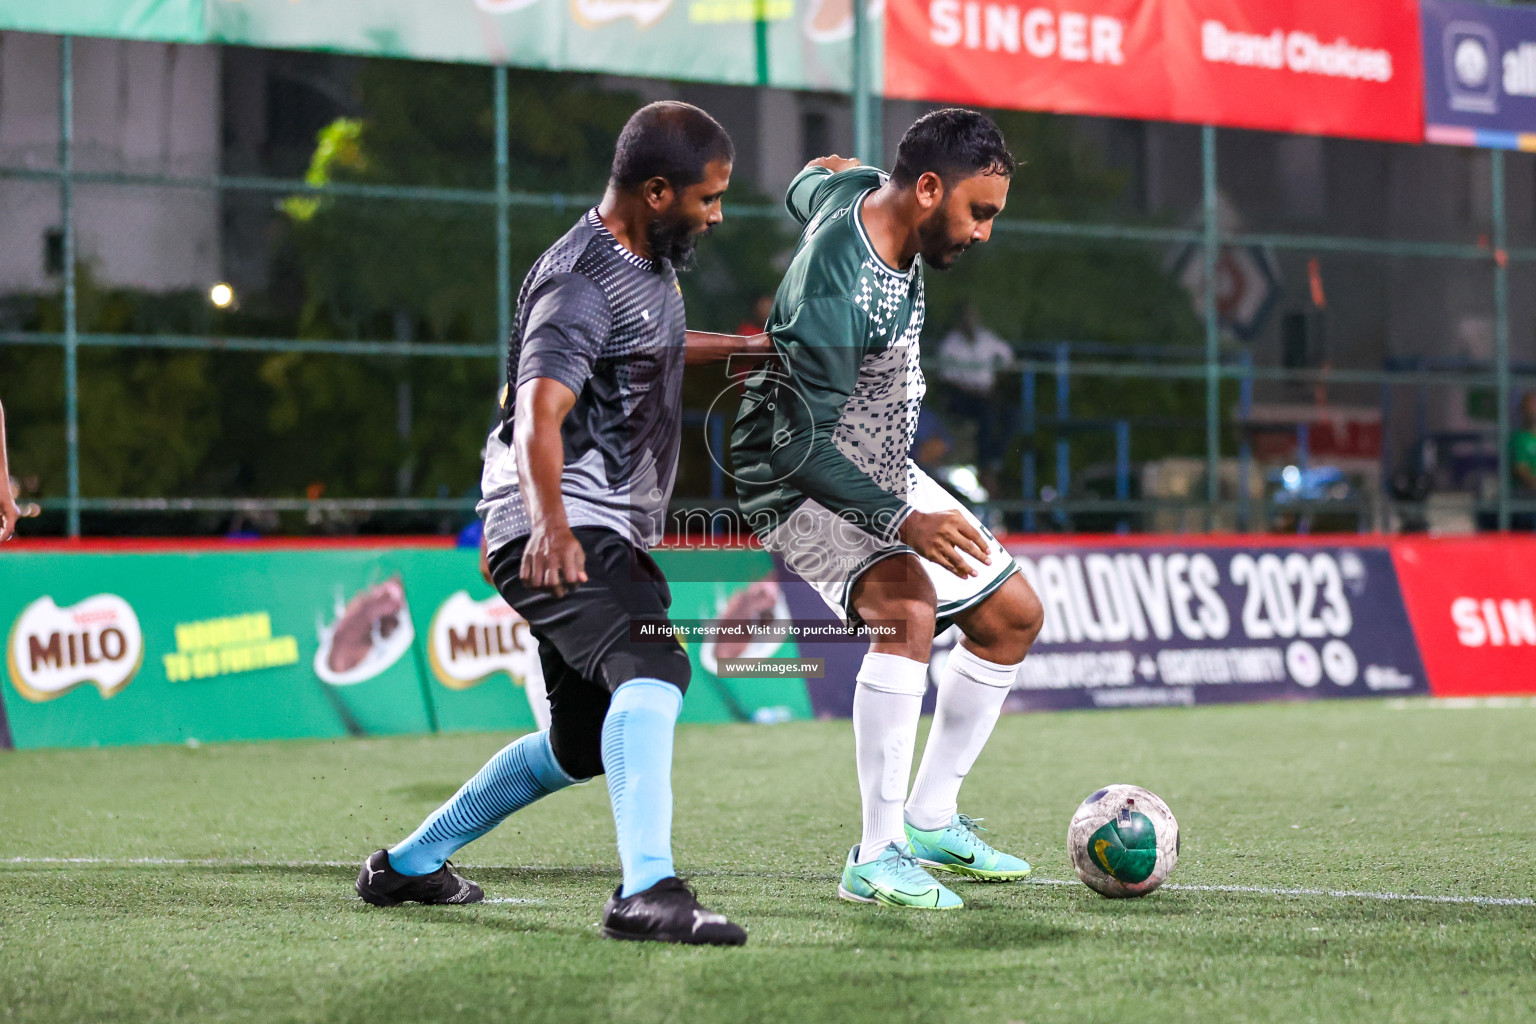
(221, 295)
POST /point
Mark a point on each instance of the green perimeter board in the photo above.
(171, 21)
(497, 701)
(298, 591)
(702, 582)
(796, 44)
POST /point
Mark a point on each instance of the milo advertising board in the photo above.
(108, 647)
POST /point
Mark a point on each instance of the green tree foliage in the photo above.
(148, 418)
(427, 271)
(158, 422)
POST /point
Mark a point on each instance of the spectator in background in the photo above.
(970, 357)
(1522, 460)
(9, 513)
(930, 442)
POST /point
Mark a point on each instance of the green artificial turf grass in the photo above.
(1364, 796)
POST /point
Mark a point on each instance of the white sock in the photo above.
(886, 705)
(971, 695)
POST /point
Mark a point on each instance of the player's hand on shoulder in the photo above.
(553, 560)
(757, 344)
(941, 537)
(834, 163)
(704, 347)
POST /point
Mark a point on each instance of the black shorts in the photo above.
(585, 643)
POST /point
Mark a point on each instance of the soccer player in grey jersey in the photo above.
(578, 474)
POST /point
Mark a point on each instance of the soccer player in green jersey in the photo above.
(823, 475)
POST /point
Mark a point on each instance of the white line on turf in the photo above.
(1254, 890)
(207, 862)
(1458, 703)
(1343, 894)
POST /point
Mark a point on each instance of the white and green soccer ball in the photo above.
(1124, 841)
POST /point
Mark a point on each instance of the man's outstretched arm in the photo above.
(707, 347)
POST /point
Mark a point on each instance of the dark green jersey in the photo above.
(834, 419)
(1522, 450)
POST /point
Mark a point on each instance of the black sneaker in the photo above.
(383, 886)
(668, 912)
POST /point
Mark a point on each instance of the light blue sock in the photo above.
(522, 772)
(637, 756)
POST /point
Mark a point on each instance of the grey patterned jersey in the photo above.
(609, 325)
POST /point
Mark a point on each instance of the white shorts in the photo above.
(830, 553)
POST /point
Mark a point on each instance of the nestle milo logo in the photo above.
(52, 650)
(473, 640)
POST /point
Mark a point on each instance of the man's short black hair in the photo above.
(670, 140)
(954, 144)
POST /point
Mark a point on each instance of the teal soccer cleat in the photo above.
(895, 879)
(959, 850)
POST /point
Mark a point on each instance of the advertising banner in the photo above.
(802, 44)
(1473, 606)
(1306, 66)
(1479, 75)
(1134, 626)
(273, 643)
(1159, 625)
(168, 21)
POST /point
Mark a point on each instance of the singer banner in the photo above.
(1312, 67)
(1474, 613)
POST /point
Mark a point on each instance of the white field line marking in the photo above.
(206, 862)
(1343, 894)
(1458, 703)
(1255, 890)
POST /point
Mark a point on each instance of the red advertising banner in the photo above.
(1472, 602)
(1315, 67)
